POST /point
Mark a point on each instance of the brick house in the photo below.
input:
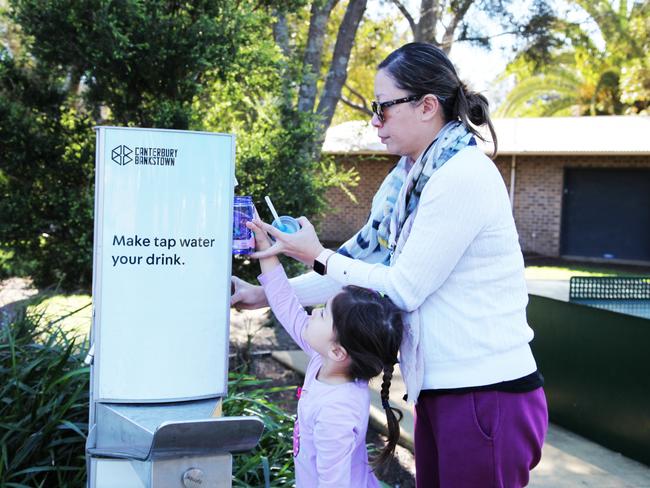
(579, 186)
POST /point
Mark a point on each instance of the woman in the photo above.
(441, 243)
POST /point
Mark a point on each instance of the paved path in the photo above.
(568, 460)
(12, 292)
(558, 289)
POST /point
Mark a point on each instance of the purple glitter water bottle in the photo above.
(243, 239)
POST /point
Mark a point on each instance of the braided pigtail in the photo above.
(393, 417)
(370, 327)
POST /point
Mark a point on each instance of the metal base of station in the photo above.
(188, 472)
(166, 445)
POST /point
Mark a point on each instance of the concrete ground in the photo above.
(557, 289)
(568, 460)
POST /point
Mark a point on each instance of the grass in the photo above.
(72, 313)
(563, 273)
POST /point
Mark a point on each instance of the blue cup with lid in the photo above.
(283, 223)
(286, 224)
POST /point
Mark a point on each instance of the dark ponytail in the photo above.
(369, 326)
(422, 68)
(380, 463)
(473, 107)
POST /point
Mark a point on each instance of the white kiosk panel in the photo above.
(163, 224)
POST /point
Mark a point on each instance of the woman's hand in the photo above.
(247, 296)
(302, 246)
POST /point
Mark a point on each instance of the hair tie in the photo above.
(380, 294)
(385, 403)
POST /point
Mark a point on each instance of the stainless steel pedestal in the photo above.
(166, 445)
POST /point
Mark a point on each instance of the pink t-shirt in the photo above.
(330, 431)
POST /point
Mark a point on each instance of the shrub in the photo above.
(272, 460)
(44, 392)
(44, 402)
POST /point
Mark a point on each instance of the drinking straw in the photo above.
(272, 208)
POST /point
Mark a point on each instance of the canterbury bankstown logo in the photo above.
(141, 155)
(122, 155)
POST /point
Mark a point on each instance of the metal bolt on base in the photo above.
(193, 478)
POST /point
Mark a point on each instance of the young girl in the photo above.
(350, 340)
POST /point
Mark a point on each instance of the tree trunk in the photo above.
(311, 65)
(281, 33)
(459, 9)
(281, 37)
(431, 13)
(339, 68)
(428, 23)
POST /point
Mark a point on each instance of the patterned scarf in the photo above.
(395, 203)
(392, 214)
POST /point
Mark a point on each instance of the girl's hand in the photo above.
(302, 246)
(262, 241)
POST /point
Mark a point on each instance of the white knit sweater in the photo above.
(462, 268)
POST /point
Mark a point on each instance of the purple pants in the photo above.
(486, 439)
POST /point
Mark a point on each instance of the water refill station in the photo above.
(161, 293)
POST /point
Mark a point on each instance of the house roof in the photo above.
(534, 136)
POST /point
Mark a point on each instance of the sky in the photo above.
(479, 67)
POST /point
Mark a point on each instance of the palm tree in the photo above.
(578, 77)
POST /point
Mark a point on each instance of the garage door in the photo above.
(606, 214)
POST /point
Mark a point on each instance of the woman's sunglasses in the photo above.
(378, 108)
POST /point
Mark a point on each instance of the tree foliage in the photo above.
(579, 73)
(144, 60)
(376, 39)
(197, 65)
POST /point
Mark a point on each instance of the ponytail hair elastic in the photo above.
(385, 403)
(376, 292)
